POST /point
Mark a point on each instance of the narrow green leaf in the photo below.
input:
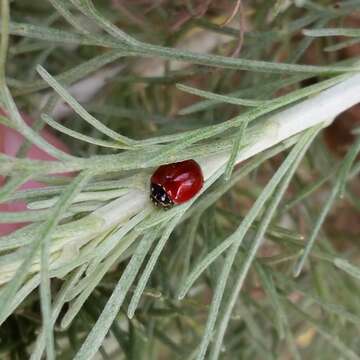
(46, 34)
(342, 45)
(335, 192)
(89, 283)
(27, 131)
(112, 307)
(4, 41)
(350, 269)
(87, 7)
(62, 8)
(70, 76)
(333, 32)
(151, 264)
(239, 138)
(289, 168)
(266, 89)
(80, 136)
(11, 185)
(220, 98)
(269, 287)
(332, 339)
(59, 302)
(24, 216)
(46, 231)
(80, 109)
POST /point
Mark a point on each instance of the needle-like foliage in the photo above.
(251, 267)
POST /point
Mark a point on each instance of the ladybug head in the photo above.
(159, 196)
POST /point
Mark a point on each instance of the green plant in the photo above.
(105, 259)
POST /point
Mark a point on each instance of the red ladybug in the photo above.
(176, 183)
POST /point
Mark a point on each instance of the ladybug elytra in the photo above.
(176, 183)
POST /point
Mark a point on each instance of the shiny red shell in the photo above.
(180, 181)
